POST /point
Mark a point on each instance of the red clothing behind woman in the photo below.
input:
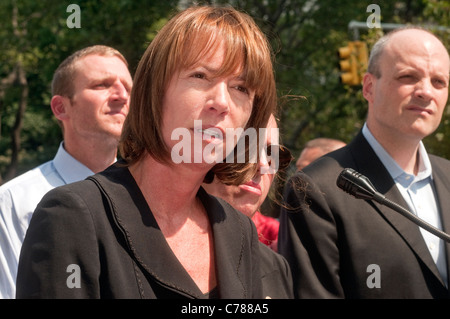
(267, 228)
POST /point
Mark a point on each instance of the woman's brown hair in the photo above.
(180, 44)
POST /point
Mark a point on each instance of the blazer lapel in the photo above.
(228, 251)
(383, 182)
(442, 188)
(135, 220)
(144, 239)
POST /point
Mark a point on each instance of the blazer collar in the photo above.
(442, 188)
(368, 164)
(149, 248)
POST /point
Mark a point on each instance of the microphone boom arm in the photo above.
(360, 186)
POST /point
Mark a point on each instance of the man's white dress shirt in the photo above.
(18, 200)
(418, 192)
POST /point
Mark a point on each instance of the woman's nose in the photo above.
(220, 98)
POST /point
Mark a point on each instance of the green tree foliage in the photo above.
(438, 13)
(305, 35)
(35, 38)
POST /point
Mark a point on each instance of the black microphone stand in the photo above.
(360, 186)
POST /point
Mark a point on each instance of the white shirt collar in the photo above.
(68, 167)
(396, 172)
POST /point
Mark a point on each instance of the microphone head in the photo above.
(356, 184)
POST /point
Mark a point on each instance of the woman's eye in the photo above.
(198, 75)
(242, 89)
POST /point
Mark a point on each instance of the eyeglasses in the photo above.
(284, 155)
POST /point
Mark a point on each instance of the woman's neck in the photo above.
(171, 193)
(168, 189)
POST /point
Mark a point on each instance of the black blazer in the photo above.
(104, 226)
(334, 242)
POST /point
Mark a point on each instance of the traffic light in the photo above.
(353, 63)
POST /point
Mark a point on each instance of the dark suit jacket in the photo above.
(333, 240)
(104, 227)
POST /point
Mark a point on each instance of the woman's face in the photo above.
(203, 106)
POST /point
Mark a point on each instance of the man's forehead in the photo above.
(101, 62)
(413, 50)
(103, 69)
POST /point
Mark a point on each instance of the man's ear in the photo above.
(368, 86)
(59, 105)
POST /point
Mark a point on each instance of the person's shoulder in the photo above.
(27, 189)
(437, 160)
(441, 167)
(276, 274)
(321, 170)
(318, 177)
(80, 190)
(29, 178)
(271, 258)
(220, 211)
(74, 203)
(327, 162)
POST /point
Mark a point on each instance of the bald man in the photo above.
(315, 148)
(342, 247)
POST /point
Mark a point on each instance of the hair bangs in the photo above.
(204, 39)
(247, 52)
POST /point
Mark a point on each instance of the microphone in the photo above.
(359, 186)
